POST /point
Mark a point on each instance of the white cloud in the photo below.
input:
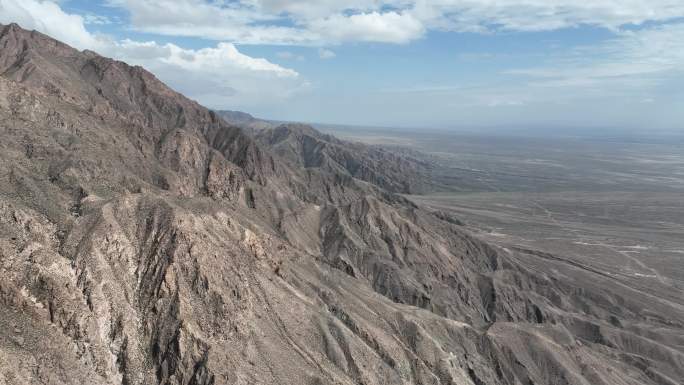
(93, 19)
(219, 76)
(633, 59)
(634, 67)
(240, 22)
(217, 59)
(502, 102)
(255, 22)
(323, 22)
(49, 18)
(387, 27)
(326, 53)
(288, 55)
(538, 15)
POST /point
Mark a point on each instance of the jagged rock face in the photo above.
(247, 122)
(305, 147)
(143, 240)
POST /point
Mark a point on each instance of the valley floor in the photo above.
(614, 205)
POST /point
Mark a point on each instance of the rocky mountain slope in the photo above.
(144, 240)
(303, 146)
(247, 122)
(397, 169)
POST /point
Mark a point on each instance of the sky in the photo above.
(553, 64)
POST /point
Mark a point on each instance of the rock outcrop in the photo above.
(304, 146)
(247, 122)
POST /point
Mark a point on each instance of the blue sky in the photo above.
(406, 63)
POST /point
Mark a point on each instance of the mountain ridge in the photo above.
(306, 147)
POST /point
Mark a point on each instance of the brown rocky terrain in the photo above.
(396, 169)
(303, 146)
(145, 240)
(247, 122)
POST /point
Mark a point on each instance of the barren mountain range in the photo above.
(146, 240)
(247, 122)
